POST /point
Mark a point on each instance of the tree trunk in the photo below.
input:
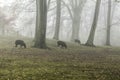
(75, 24)
(75, 14)
(94, 25)
(58, 17)
(48, 4)
(108, 23)
(41, 21)
(3, 30)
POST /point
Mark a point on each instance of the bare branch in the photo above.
(69, 10)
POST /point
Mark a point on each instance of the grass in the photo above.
(75, 63)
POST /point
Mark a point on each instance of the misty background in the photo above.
(18, 17)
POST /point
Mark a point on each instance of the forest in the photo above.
(59, 40)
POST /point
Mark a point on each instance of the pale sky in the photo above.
(5, 2)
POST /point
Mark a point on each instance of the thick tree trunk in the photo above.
(94, 25)
(108, 23)
(75, 24)
(58, 17)
(41, 20)
(77, 7)
(48, 4)
(75, 14)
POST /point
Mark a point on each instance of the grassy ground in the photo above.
(75, 63)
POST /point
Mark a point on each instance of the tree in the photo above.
(5, 23)
(108, 23)
(94, 25)
(58, 17)
(75, 10)
(77, 7)
(48, 4)
(41, 20)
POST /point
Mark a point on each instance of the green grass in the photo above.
(75, 63)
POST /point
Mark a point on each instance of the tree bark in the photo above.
(76, 24)
(75, 10)
(108, 23)
(94, 25)
(58, 18)
(41, 21)
(77, 7)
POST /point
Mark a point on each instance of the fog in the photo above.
(19, 17)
